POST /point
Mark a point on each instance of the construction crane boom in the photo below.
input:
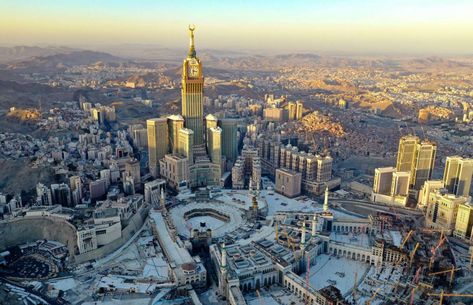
(413, 253)
(434, 250)
(443, 295)
(406, 239)
(451, 271)
(373, 296)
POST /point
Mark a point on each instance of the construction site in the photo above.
(241, 247)
(385, 258)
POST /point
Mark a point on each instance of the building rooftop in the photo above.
(179, 254)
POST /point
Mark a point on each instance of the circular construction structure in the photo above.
(217, 216)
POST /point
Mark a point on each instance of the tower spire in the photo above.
(314, 226)
(223, 270)
(224, 256)
(191, 42)
(303, 236)
(325, 207)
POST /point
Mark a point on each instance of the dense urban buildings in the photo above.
(235, 178)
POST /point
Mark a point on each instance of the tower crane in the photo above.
(434, 250)
(417, 276)
(406, 239)
(413, 293)
(442, 239)
(373, 296)
(413, 253)
(451, 271)
(442, 295)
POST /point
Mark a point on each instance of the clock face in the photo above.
(194, 71)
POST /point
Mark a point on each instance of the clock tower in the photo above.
(193, 92)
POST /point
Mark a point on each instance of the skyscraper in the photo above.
(43, 193)
(400, 184)
(186, 142)
(210, 121)
(214, 146)
(383, 179)
(416, 157)
(458, 175)
(193, 162)
(230, 138)
(175, 123)
(406, 153)
(299, 110)
(157, 143)
(424, 163)
(291, 109)
(61, 194)
(193, 92)
(324, 168)
(75, 183)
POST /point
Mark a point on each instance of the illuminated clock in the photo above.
(194, 71)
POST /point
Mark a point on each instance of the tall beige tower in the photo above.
(299, 110)
(186, 142)
(210, 121)
(416, 157)
(458, 175)
(383, 179)
(193, 92)
(291, 109)
(214, 144)
(158, 144)
(406, 153)
(400, 184)
(175, 123)
(424, 163)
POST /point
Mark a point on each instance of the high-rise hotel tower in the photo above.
(193, 92)
(187, 160)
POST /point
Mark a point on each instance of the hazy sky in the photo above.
(434, 26)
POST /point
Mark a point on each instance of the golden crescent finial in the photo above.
(191, 27)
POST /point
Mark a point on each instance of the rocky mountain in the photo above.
(17, 53)
(62, 60)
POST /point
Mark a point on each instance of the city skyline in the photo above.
(430, 27)
(179, 160)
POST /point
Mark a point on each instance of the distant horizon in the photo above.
(115, 49)
(349, 26)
